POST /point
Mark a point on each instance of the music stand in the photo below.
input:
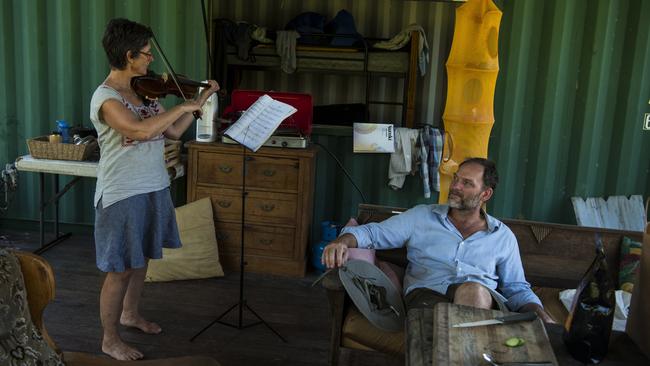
(241, 304)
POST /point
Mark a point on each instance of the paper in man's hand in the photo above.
(259, 121)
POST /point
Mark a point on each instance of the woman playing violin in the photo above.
(134, 213)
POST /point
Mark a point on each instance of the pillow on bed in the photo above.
(21, 343)
(199, 255)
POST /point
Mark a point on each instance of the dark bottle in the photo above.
(589, 325)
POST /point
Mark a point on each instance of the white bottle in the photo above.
(205, 126)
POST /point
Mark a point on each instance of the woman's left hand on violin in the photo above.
(206, 93)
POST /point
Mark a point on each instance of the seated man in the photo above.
(456, 252)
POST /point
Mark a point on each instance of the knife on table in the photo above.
(499, 320)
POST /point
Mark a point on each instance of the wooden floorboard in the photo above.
(291, 306)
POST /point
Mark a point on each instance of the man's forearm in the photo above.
(348, 239)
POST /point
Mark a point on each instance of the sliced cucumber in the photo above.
(514, 342)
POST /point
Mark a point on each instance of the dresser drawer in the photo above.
(271, 208)
(262, 172)
(272, 173)
(258, 240)
(261, 207)
(228, 237)
(216, 168)
(226, 203)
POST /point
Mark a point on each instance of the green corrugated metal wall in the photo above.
(51, 61)
(572, 90)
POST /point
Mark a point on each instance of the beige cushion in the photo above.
(21, 343)
(359, 333)
(199, 255)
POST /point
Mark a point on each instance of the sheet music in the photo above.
(259, 121)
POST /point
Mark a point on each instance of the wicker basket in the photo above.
(41, 148)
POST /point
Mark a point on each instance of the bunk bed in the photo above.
(366, 61)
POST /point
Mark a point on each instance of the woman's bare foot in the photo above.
(121, 351)
(136, 321)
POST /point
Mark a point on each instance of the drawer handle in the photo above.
(225, 168)
(266, 241)
(222, 236)
(268, 173)
(267, 207)
(224, 204)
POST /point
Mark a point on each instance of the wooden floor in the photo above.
(291, 306)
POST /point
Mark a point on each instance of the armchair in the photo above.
(40, 288)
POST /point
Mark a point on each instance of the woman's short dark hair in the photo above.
(490, 174)
(122, 35)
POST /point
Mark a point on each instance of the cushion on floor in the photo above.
(199, 255)
(21, 343)
(359, 330)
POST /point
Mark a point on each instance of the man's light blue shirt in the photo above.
(438, 256)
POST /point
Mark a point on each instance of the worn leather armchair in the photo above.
(350, 329)
(40, 287)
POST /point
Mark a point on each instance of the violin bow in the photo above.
(154, 41)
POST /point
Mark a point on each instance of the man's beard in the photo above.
(468, 203)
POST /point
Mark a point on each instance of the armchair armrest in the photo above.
(336, 297)
(331, 281)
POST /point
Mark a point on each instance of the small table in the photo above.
(420, 330)
(77, 169)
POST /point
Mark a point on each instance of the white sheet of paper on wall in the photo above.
(373, 138)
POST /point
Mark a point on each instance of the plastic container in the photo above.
(63, 128)
(329, 231)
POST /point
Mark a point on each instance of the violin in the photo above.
(153, 86)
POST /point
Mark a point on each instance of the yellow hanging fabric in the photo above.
(472, 70)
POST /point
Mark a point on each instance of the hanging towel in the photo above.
(401, 161)
(402, 38)
(432, 140)
(424, 166)
(285, 46)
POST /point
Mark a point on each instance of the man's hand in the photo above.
(336, 253)
(539, 311)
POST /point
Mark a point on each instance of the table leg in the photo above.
(41, 208)
(56, 206)
(43, 204)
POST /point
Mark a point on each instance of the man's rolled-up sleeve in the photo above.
(512, 281)
(391, 233)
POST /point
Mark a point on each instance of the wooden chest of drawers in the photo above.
(279, 197)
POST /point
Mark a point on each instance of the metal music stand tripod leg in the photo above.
(242, 300)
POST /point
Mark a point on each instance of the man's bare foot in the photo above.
(140, 323)
(121, 351)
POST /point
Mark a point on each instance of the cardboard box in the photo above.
(373, 138)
